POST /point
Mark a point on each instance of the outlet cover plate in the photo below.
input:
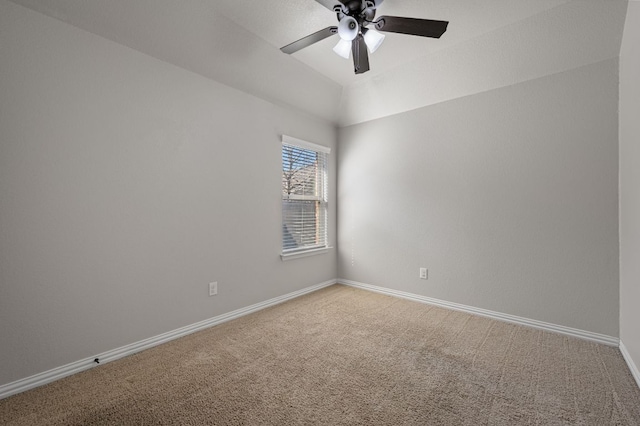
(213, 288)
(424, 273)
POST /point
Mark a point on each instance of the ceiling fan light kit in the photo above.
(354, 17)
(348, 28)
(343, 48)
(373, 39)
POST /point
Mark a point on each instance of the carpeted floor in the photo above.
(343, 356)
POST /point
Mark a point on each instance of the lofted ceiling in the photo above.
(291, 20)
(488, 44)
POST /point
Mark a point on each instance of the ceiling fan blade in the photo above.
(360, 55)
(309, 40)
(412, 26)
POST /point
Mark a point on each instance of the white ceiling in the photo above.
(281, 22)
(488, 44)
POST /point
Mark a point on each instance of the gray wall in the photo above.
(509, 197)
(126, 185)
(629, 184)
(121, 197)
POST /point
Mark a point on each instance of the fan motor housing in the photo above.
(359, 10)
(354, 6)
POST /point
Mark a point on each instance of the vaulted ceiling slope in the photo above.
(488, 44)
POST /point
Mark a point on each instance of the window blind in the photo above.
(304, 196)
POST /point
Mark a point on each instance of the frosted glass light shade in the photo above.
(348, 28)
(343, 48)
(373, 39)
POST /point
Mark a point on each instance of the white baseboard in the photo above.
(114, 354)
(632, 365)
(574, 332)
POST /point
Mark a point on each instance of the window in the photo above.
(304, 196)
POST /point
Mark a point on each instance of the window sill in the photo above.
(305, 253)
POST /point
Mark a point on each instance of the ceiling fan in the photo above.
(354, 19)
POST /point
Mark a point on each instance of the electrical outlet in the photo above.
(213, 288)
(424, 273)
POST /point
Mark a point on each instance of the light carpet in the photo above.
(344, 356)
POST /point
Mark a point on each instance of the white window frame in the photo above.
(309, 250)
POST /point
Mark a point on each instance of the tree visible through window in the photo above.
(304, 196)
